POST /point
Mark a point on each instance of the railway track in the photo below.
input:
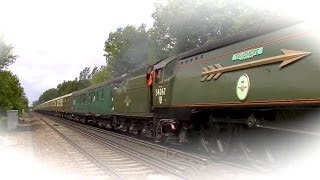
(163, 159)
(123, 159)
(111, 162)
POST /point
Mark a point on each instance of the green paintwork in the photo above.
(79, 105)
(163, 99)
(98, 104)
(97, 100)
(131, 97)
(162, 88)
(267, 83)
(247, 54)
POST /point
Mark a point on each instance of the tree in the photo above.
(63, 88)
(48, 95)
(84, 74)
(83, 84)
(35, 103)
(94, 70)
(6, 55)
(67, 87)
(126, 49)
(11, 93)
(70, 86)
(181, 25)
(100, 76)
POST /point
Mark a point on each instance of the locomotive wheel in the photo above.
(257, 147)
(215, 139)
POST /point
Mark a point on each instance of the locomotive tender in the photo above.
(251, 80)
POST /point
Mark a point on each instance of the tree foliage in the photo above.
(6, 55)
(11, 93)
(100, 76)
(84, 74)
(48, 95)
(67, 87)
(70, 86)
(63, 88)
(126, 49)
(181, 25)
(93, 72)
(35, 103)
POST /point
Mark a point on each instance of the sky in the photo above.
(56, 39)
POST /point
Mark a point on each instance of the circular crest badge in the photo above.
(243, 86)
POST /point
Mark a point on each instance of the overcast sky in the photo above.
(56, 39)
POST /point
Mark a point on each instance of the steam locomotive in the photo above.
(252, 86)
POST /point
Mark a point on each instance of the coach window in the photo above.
(102, 98)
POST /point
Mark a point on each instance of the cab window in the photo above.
(169, 70)
(159, 75)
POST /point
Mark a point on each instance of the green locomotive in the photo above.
(221, 90)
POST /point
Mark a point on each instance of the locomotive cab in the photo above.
(165, 75)
(163, 82)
